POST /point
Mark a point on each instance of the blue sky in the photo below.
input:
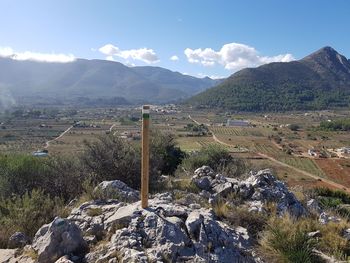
(214, 38)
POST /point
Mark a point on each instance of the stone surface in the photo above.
(313, 206)
(315, 234)
(117, 190)
(167, 231)
(91, 216)
(12, 256)
(203, 183)
(60, 237)
(346, 234)
(325, 218)
(259, 188)
(18, 240)
(64, 259)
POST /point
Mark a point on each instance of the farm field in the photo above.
(336, 169)
(268, 136)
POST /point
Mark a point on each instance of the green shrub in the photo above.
(28, 213)
(218, 158)
(111, 158)
(336, 194)
(286, 240)
(58, 176)
(20, 173)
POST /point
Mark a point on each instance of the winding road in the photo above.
(47, 144)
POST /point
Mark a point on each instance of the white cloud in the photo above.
(144, 54)
(34, 56)
(232, 56)
(174, 58)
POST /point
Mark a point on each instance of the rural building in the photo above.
(240, 123)
(345, 150)
(312, 152)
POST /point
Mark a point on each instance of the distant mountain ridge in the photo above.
(320, 80)
(96, 79)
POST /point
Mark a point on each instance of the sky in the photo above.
(199, 38)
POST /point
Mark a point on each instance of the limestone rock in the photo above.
(60, 237)
(325, 218)
(204, 171)
(117, 190)
(346, 234)
(313, 206)
(18, 240)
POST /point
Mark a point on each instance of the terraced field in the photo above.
(268, 149)
(238, 131)
(305, 164)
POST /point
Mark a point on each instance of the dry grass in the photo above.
(285, 240)
(94, 211)
(332, 241)
(221, 208)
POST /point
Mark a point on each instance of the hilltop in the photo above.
(321, 80)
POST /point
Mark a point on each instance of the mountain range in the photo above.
(94, 80)
(321, 80)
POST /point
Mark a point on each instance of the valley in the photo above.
(281, 141)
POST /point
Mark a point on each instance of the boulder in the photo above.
(193, 223)
(222, 189)
(313, 206)
(204, 171)
(91, 216)
(60, 237)
(346, 234)
(18, 240)
(117, 190)
(315, 234)
(263, 186)
(203, 183)
(325, 218)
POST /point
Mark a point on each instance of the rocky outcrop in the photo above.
(60, 237)
(171, 232)
(117, 190)
(18, 240)
(257, 189)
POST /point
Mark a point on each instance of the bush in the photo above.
(21, 173)
(111, 158)
(216, 157)
(27, 213)
(59, 176)
(64, 178)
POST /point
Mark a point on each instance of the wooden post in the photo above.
(145, 156)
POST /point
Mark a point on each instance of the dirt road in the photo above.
(327, 181)
(60, 136)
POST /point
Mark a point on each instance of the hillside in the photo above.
(318, 81)
(94, 79)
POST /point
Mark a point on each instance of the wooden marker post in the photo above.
(145, 156)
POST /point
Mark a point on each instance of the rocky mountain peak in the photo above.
(328, 59)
